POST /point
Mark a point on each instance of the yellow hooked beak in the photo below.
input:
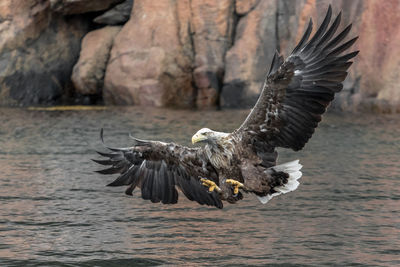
(198, 138)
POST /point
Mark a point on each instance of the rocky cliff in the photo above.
(182, 53)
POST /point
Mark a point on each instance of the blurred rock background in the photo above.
(182, 53)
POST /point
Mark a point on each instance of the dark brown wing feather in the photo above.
(298, 90)
(158, 168)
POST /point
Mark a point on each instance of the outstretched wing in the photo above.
(158, 168)
(297, 91)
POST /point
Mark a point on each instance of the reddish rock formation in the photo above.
(37, 52)
(88, 73)
(151, 60)
(252, 50)
(166, 66)
(187, 53)
(212, 25)
(377, 70)
(232, 43)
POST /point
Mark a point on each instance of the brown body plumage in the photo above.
(295, 94)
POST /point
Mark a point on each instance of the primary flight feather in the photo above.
(294, 95)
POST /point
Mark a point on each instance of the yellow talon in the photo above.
(236, 190)
(236, 185)
(210, 184)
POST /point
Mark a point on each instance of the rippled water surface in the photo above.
(55, 211)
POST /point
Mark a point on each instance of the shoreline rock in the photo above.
(185, 54)
(37, 52)
(152, 67)
(88, 72)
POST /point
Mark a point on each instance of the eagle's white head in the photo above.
(208, 136)
(219, 147)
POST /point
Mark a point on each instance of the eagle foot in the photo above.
(236, 185)
(210, 184)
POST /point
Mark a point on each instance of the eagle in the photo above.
(294, 95)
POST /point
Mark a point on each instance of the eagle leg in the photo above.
(210, 184)
(236, 185)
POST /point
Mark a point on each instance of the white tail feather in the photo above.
(293, 169)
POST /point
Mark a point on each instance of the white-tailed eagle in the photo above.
(295, 93)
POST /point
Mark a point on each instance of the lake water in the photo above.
(55, 211)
